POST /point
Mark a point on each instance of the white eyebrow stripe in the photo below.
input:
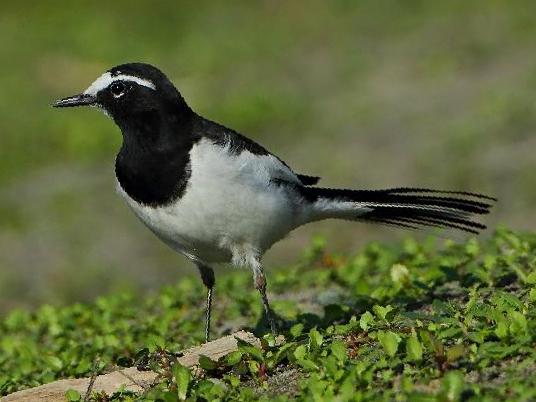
(107, 78)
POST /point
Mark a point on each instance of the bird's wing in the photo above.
(237, 143)
(308, 180)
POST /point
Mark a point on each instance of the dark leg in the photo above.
(260, 284)
(207, 275)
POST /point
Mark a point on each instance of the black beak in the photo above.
(76, 100)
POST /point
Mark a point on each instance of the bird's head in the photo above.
(128, 91)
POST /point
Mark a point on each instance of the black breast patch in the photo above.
(153, 180)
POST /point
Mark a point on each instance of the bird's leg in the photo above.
(260, 284)
(207, 275)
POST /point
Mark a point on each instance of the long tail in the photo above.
(406, 207)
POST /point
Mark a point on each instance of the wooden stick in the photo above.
(131, 379)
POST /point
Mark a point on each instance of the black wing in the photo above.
(225, 136)
(308, 180)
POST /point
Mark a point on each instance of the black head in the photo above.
(128, 91)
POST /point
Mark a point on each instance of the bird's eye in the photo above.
(117, 89)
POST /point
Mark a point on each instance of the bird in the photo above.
(219, 198)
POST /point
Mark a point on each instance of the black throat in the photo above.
(153, 165)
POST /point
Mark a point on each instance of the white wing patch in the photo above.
(107, 78)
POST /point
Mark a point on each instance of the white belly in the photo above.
(231, 211)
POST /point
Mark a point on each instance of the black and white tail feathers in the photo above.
(406, 207)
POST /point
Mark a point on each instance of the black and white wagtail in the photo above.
(216, 196)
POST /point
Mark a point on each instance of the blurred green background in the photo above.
(366, 94)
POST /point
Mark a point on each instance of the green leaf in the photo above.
(389, 340)
(502, 329)
(381, 312)
(366, 319)
(531, 278)
(73, 395)
(452, 386)
(296, 330)
(233, 380)
(472, 248)
(338, 349)
(307, 364)
(506, 301)
(233, 358)
(532, 295)
(268, 341)
(253, 366)
(300, 355)
(414, 348)
(518, 326)
(155, 342)
(347, 389)
(206, 363)
(183, 377)
(55, 362)
(399, 274)
(251, 350)
(455, 352)
(300, 352)
(331, 367)
(280, 354)
(315, 339)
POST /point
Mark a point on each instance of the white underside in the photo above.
(231, 211)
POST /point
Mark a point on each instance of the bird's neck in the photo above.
(152, 166)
